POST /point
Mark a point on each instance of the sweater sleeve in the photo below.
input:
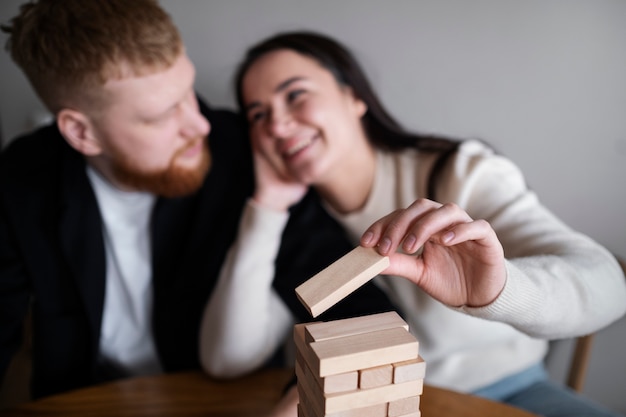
(560, 283)
(245, 321)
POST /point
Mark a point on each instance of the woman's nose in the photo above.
(280, 125)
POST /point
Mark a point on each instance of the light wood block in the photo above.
(376, 376)
(305, 405)
(377, 410)
(404, 406)
(367, 350)
(316, 332)
(409, 370)
(340, 278)
(334, 403)
(415, 414)
(307, 390)
(347, 381)
(355, 403)
(361, 398)
(302, 347)
(340, 382)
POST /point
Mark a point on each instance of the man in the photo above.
(115, 219)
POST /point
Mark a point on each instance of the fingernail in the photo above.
(367, 237)
(409, 242)
(384, 245)
(448, 237)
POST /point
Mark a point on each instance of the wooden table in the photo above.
(194, 394)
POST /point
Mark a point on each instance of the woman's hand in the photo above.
(272, 190)
(461, 262)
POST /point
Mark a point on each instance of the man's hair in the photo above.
(69, 48)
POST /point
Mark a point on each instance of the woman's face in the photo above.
(301, 120)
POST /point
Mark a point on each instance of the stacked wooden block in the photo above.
(357, 367)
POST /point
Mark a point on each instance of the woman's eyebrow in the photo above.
(287, 83)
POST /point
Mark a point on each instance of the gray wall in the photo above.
(543, 81)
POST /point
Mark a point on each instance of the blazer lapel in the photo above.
(80, 230)
(170, 228)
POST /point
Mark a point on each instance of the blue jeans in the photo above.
(532, 390)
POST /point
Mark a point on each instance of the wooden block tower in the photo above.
(363, 366)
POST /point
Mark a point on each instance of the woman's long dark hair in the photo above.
(381, 128)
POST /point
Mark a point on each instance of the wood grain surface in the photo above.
(194, 394)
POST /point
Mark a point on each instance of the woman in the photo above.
(483, 319)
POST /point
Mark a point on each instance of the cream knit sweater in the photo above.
(560, 283)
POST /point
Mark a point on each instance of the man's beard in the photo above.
(174, 181)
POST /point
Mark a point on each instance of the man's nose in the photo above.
(194, 123)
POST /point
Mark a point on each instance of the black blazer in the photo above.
(52, 253)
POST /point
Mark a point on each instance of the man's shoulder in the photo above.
(228, 138)
(220, 115)
(222, 119)
(32, 157)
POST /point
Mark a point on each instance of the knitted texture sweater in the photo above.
(560, 283)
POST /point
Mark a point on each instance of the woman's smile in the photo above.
(293, 148)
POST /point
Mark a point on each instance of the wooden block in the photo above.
(415, 414)
(301, 346)
(334, 403)
(377, 410)
(358, 403)
(376, 376)
(340, 278)
(409, 370)
(367, 350)
(310, 394)
(305, 405)
(362, 398)
(404, 406)
(306, 391)
(315, 332)
(347, 381)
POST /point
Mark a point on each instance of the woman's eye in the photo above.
(255, 117)
(294, 94)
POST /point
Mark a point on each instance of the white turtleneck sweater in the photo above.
(560, 283)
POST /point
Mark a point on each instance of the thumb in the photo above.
(406, 266)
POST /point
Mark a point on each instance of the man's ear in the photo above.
(78, 131)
